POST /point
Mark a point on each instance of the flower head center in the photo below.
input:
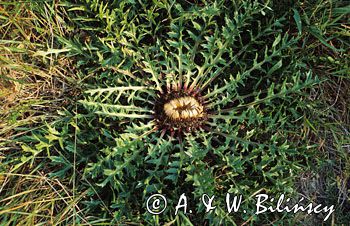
(183, 108)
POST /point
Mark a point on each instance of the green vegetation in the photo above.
(82, 85)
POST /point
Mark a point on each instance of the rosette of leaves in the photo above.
(235, 58)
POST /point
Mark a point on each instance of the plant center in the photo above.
(183, 108)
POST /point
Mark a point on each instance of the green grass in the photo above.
(79, 84)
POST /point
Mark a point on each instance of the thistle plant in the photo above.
(201, 98)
